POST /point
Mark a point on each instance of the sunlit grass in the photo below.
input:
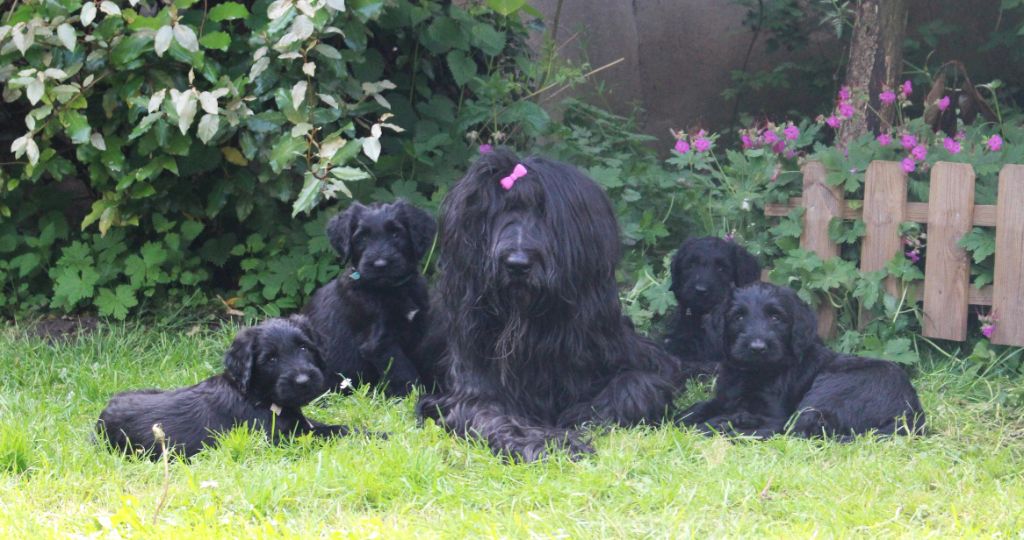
(964, 478)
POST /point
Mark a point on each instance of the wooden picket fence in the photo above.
(949, 214)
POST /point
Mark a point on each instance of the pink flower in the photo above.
(485, 149)
(729, 236)
(908, 141)
(701, 144)
(789, 153)
(885, 139)
(943, 103)
(747, 142)
(844, 93)
(994, 143)
(913, 256)
(988, 329)
(951, 145)
(792, 132)
(919, 152)
(779, 147)
(907, 88)
(682, 146)
(888, 97)
(846, 109)
(832, 121)
(769, 136)
(908, 165)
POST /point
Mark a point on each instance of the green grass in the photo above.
(963, 479)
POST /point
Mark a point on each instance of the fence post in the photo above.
(885, 203)
(821, 202)
(947, 271)
(1008, 289)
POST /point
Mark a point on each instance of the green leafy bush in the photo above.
(159, 148)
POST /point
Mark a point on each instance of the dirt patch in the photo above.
(64, 327)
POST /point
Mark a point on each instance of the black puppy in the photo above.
(380, 302)
(776, 370)
(704, 271)
(271, 371)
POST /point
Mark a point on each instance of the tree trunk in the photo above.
(876, 60)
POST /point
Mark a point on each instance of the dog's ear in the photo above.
(804, 330)
(714, 326)
(677, 268)
(239, 359)
(420, 225)
(746, 269)
(341, 227)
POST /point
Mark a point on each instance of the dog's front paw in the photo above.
(576, 415)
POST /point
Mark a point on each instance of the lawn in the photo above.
(963, 479)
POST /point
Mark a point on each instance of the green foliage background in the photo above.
(162, 148)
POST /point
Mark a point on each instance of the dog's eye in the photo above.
(272, 360)
(303, 349)
(775, 317)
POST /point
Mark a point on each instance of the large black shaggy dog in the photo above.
(778, 376)
(537, 343)
(270, 372)
(704, 271)
(379, 302)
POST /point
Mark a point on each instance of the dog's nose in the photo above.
(302, 378)
(757, 345)
(517, 262)
(380, 263)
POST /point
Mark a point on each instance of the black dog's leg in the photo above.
(700, 412)
(389, 360)
(629, 398)
(745, 423)
(507, 435)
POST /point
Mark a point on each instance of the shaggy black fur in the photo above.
(537, 343)
(704, 271)
(273, 366)
(379, 303)
(777, 376)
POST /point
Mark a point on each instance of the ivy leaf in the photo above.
(489, 40)
(980, 242)
(67, 36)
(228, 11)
(88, 13)
(285, 151)
(463, 67)
(216, 40)
(186, 37)
(309, 195)
(298, 94)
(115, 303)
(185, 105)
(336, 4)
(98, 141)
(234, 156)
(506, 7)
(162, 41)
(34, 89)
(371, 147)
(208, 125)
(74, 286)
(110, 8)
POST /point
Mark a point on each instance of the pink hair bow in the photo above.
(518, 172)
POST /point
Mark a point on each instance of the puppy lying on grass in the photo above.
(271, 371)
(777, 377)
